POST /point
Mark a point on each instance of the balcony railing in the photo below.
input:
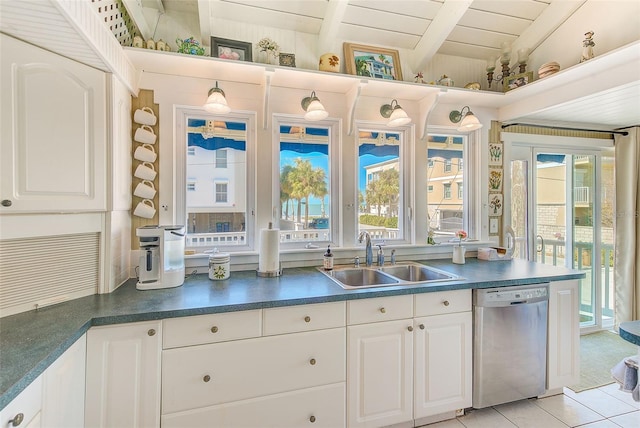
(582, 195)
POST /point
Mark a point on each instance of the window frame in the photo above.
(181, 114)
(335, 179)
(407, 183)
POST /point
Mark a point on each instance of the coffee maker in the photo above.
(161, 257)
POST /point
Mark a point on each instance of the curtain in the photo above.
(627, 226)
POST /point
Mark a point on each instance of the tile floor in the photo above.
(604, 407)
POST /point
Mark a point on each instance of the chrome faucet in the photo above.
(369, 251)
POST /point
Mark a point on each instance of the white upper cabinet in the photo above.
(53, 137)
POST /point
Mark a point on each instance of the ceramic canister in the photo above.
(219, 266)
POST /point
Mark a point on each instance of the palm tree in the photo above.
(307, 181)
(285, 188)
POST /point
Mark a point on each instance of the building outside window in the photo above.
(447, 190)
(221, 193)
(447, 165)
(221, 158)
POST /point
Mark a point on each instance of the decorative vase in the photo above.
(458, 254)
(268, 57)
(329, 62)
(189, 46)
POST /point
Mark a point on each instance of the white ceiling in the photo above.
(464, 28)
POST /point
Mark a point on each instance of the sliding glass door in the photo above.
(561, 210)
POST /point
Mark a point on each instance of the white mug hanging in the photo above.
(146, 171)
(145, 135)
(145, 190)
(145, 153)
(145, 116)
(145, 209)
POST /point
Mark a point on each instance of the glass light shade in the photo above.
(216, 102)
(505, 48)
(469, 123)
(491, 64)
(523, 55)
(398, 117)
(316, 111)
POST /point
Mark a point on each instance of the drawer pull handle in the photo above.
(151, 332)
(312, 361)
(307, 319)
(446, 303)
(383, 311)
(312, 419)
(410, 328)
(421, 326)
(6, 203)
(214, 329)
(206, 378)
(17, 419)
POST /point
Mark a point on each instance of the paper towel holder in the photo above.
(273, 274)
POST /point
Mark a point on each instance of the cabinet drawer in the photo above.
(206, 375)
(292, 319)
(442, 302)
(201, 329)
(322, 406)
(379, 309)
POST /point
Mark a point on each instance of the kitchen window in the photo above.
(306, 181)
(382, 182)
(217, 153)
(448, 211)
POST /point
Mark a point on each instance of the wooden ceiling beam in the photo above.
(333, 17)
(437, 32)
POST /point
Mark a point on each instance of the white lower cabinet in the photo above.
(563, 341)
(26, 409)
(123, 375)
(443, 364)
(380, 373)
(56, 398)
(415, 366)
(293, 379)
(63, 388)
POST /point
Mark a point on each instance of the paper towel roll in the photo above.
(269, 257)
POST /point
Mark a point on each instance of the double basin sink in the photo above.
(350, 277)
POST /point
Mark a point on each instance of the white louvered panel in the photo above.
(37, 271)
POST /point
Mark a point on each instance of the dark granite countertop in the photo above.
(31, 341)
(630, 331)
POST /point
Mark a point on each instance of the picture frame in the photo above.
(287, 59)
(496, 151)
(495, 204)
(372, 61)
(495, 179)
(517, 80)
(231, 49)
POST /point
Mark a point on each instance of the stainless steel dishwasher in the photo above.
(509, 343)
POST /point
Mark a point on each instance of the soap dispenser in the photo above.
(328, 259)
(380, 255)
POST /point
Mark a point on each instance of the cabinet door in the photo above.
(25, 409)
(443, 364)
(563, 347)
(123, 375)
(322, 406)
(52, 137)
(63, 388)
(379, 373)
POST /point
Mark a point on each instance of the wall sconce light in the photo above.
(314, 110)
(468, 121)
(216, 102)
(396, 115)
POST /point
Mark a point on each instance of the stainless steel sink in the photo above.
(361, 277)
(416, 273)
(349, 277)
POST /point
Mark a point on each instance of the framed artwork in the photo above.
(287, 59)
(495, 154)
(495, 204)
(371, 61)
(230, 49)
(495, 179)
(512, 82)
